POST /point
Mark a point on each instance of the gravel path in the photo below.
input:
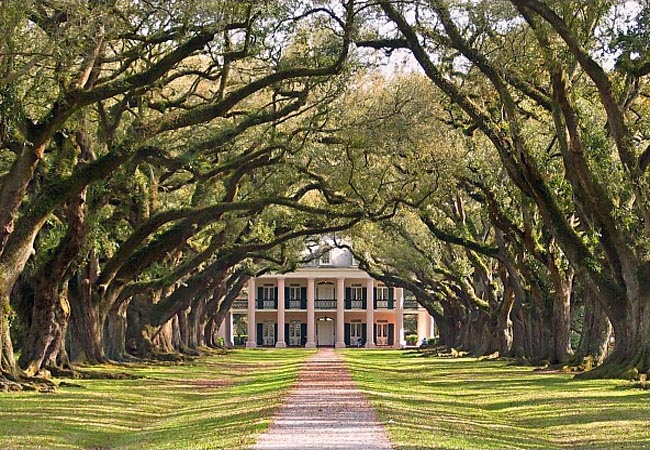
(325, 411)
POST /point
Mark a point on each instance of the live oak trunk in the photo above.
(8, 368)
(560, 325)
(503, 330)
(596, 332)
(630, 318)
(85, 326)
(183, 330)
(44, 346)
(44, 343)
(195, 320)
(115, 332)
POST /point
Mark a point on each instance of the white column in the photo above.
(225, 330)
(311, 314)
(422, 325)
(399, 316)
(340, 313)
(280, 338)
(370, 315)
(431, 326)
(230, 341)
(252, 326)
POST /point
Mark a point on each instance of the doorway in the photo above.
(382, 333)
(295, 333)
(325, 332)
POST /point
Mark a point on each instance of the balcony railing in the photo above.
(356, 304)
(301, 304)
(266, 303)
(295, 304)
(325, 303)
(410, 303)
(240, 304)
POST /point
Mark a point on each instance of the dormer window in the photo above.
(325, 259)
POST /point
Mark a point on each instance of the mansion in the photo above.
(329, 302)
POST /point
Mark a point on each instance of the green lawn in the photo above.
(217, 402)
(431, 403)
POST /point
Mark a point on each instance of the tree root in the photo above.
(622, 367)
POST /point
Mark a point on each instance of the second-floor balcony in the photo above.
(267, 303)
(240, 304)
(296, 303)
(321, 303)
(355, 304)
(410, 303)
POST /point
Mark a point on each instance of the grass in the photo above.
(432, 403)
(216, 402)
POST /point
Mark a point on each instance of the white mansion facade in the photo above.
(329, 302)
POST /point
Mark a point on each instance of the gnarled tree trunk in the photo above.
(596, 331)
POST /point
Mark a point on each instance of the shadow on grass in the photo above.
(440, 403)
(219, 402)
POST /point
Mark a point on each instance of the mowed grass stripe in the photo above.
(216, 402)
(435, 403)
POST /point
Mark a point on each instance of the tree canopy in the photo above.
(488, 156)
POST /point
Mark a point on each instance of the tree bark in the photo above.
(85, 324)
(596, 332)
(561, 316)
(8, 366)
(115, 332)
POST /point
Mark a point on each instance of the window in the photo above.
(295, 296)
(356, 292)
(356, 337)
(268, 296)
(295, 334)
(268, 292)
(356, 296)
(294, 292)
(382, 333)
(325, 258)
(382, 293)
(268, 333)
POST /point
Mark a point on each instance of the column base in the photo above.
(251, 344)
(340, 345)
(370, 345)
(280, 344)
(310, 345)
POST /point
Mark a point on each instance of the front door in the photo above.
(295, 334)
(356, 334)
(382, 334)
(268, 332)
(325, 332)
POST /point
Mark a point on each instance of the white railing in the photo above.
(268, 304)
(295, 304)
(356, 304)
(240, 304)
(382, 303)
(325, 304)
